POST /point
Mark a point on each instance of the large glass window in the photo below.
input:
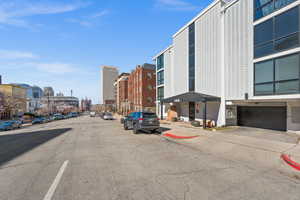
(263, 32)
(277, 34)
(160, 77)
(263, 50)
(265, 7)
(264, 89)
(286, 23)
(160, 62)
(160, 93)
(287, 68)
(277, 76)
(264, 72)
(192, 57)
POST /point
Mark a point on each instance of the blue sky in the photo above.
(62, 43)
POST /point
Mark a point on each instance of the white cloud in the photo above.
(54, 68)
(89, 20)
(179, 5)
(12, 55)
(14, 12)
(99, 14)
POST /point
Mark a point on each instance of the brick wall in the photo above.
(141, 88)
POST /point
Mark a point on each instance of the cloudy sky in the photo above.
(62, 43)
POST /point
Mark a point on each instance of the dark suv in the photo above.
(138, 121)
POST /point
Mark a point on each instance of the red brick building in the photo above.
(142, 88)
(121, 85)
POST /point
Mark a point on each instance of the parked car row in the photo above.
(14, 124)
(103, 115)
(141, 121)
(10, 125)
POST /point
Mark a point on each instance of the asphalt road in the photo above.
(88, 158)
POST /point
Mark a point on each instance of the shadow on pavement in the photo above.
(158, 132)
(163, 129)
(14, 145)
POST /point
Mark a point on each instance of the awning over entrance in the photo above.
(191, 97)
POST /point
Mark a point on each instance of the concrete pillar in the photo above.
(222, 110)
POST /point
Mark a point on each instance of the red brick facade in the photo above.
(123, 90)
(141, 88)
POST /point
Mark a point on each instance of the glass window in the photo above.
(191, 84)
(287, 87)
(287, 68)
(264, 10)
(263, 50)
(160, 78)
(192, 57)
(282, 3)
(287, 23)
(264, 72)
(264, 89)
(259, 3)
(277, 34)
(263, 32)
(284, 79)
(287, 42)
(149, 115)
(265, 7)
(160, 62)
(160, 93)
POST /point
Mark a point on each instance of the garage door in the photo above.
(263, 117)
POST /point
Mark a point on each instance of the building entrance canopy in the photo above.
(191, 97)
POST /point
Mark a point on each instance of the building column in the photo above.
(204, 114)
(161, 111)
(222, 109)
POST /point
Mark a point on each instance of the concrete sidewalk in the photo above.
(241, 147)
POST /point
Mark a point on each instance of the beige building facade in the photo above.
(15, 102)
(108, 76)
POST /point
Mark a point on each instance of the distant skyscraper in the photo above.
(48, 91)
(108, 75)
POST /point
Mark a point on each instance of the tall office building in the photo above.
(108, 75)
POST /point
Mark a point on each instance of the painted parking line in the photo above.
(56, 181)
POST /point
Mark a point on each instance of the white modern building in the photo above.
(108, 76)
(236, 63)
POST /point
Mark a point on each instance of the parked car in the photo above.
(92, 114)
(58, 116)
(17, 123)
(138, 121)
(47, 119)
(108, 116)
(38, 120)
(74, 114)
(6, 126)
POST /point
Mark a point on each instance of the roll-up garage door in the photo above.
(263, 117)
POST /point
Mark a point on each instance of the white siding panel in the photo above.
(237, 52)
(180, 75)
(208, 52)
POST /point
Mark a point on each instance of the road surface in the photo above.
(87, 159)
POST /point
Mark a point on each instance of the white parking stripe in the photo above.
(56, 181)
